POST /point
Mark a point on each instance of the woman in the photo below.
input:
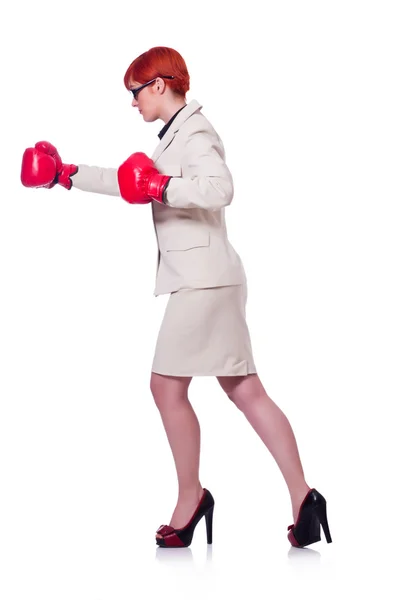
(204, 330)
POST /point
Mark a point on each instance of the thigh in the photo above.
(167, 387)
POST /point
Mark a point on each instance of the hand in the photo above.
(139, 180)
(42, 167)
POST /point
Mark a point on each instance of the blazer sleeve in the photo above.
(206, 181)
(97, 180)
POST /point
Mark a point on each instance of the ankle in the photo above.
(299, 492)
(191, 491)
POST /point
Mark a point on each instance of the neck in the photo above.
(170, 109)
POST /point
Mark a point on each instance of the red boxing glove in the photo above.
(42, 167)
(139, 180)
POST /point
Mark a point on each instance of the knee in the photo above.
(243, 391)
(167, 392)
(236, 393)
(158, 391)
(241, 399)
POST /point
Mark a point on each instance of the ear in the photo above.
(160, 84)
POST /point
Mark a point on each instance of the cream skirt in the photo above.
(204, 332)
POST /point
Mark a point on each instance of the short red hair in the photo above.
(156, 62)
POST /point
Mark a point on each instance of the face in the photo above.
(147, 100)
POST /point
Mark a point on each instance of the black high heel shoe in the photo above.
(180, 538)
(312, 513)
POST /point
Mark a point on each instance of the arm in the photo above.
(43, 167)
(97, 180)
(206, 181)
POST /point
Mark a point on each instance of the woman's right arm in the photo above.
(97, 180)
(42, 166)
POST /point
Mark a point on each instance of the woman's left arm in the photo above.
(206, 181)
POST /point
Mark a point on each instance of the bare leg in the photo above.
(183, 433)
(273, 427)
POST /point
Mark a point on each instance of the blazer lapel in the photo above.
(188, 110)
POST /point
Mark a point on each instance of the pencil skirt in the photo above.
(204, 332)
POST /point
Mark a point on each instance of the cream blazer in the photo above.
(193, 246)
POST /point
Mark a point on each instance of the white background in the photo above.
(304, 96)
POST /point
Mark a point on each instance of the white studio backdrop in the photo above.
(304, 96)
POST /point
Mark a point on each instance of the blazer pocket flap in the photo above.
(187, 240)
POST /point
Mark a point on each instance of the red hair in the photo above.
(156, 62)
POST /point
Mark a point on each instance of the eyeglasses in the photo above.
(136, 91)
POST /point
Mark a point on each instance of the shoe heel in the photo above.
(208, 522)
(321, 513)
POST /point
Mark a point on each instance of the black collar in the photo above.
(167, 125)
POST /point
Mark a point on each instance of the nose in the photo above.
(134, 102)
